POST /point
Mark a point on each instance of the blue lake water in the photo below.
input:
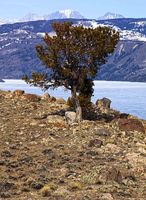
(129, 97)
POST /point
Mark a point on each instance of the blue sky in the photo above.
(88, 8)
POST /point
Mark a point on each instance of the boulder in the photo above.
(103, 132)
(60, 101)
(31, 97)
(52, 99)
(70, 117)
(45, 96)
(103, 103)
(130, 125)
(56, 120)
(18, 92)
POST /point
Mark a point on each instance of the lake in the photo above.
(129, 97)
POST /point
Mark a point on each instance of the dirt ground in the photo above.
(43, 158)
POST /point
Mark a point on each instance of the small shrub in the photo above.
(45, 191)
(75, 185)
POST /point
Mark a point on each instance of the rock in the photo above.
(6, 154)
(49, 153)
(106, 196)
(31, 97)
(103, 132)
(61, 101)
(18, 92)
(136, 160)
(103, 103)
(36, 185)
(6, 186)
(55, 119)
(95, 143)
(45, 96)
(130, 125)
(52, 99)
(112, 148)
(113, 174)
(70, 117)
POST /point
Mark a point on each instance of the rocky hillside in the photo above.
(18, 41)
(128, 63)
(43, 157)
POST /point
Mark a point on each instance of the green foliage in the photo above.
(85, 94)
(74, 55)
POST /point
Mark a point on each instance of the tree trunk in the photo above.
(77, 105)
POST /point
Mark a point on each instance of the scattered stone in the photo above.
(103, 132)
(91, 160)
(113, 174)
(49, 153)
(6, 186)
(95, 143)
(112, 148)
(137, 161)
(36, 185)
(106, 196)
(6, 154)
(56, 119)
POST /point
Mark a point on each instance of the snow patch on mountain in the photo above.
(110, 15)
(64, 14)
(67, 13)
(124, 34)
(139, 23)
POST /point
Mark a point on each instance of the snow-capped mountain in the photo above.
(110, 15)
(64, 14)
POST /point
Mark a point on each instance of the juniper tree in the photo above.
(74, 55)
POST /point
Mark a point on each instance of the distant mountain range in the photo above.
(128, 63)
(61, 14)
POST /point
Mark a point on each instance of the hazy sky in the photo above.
(88, 8)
